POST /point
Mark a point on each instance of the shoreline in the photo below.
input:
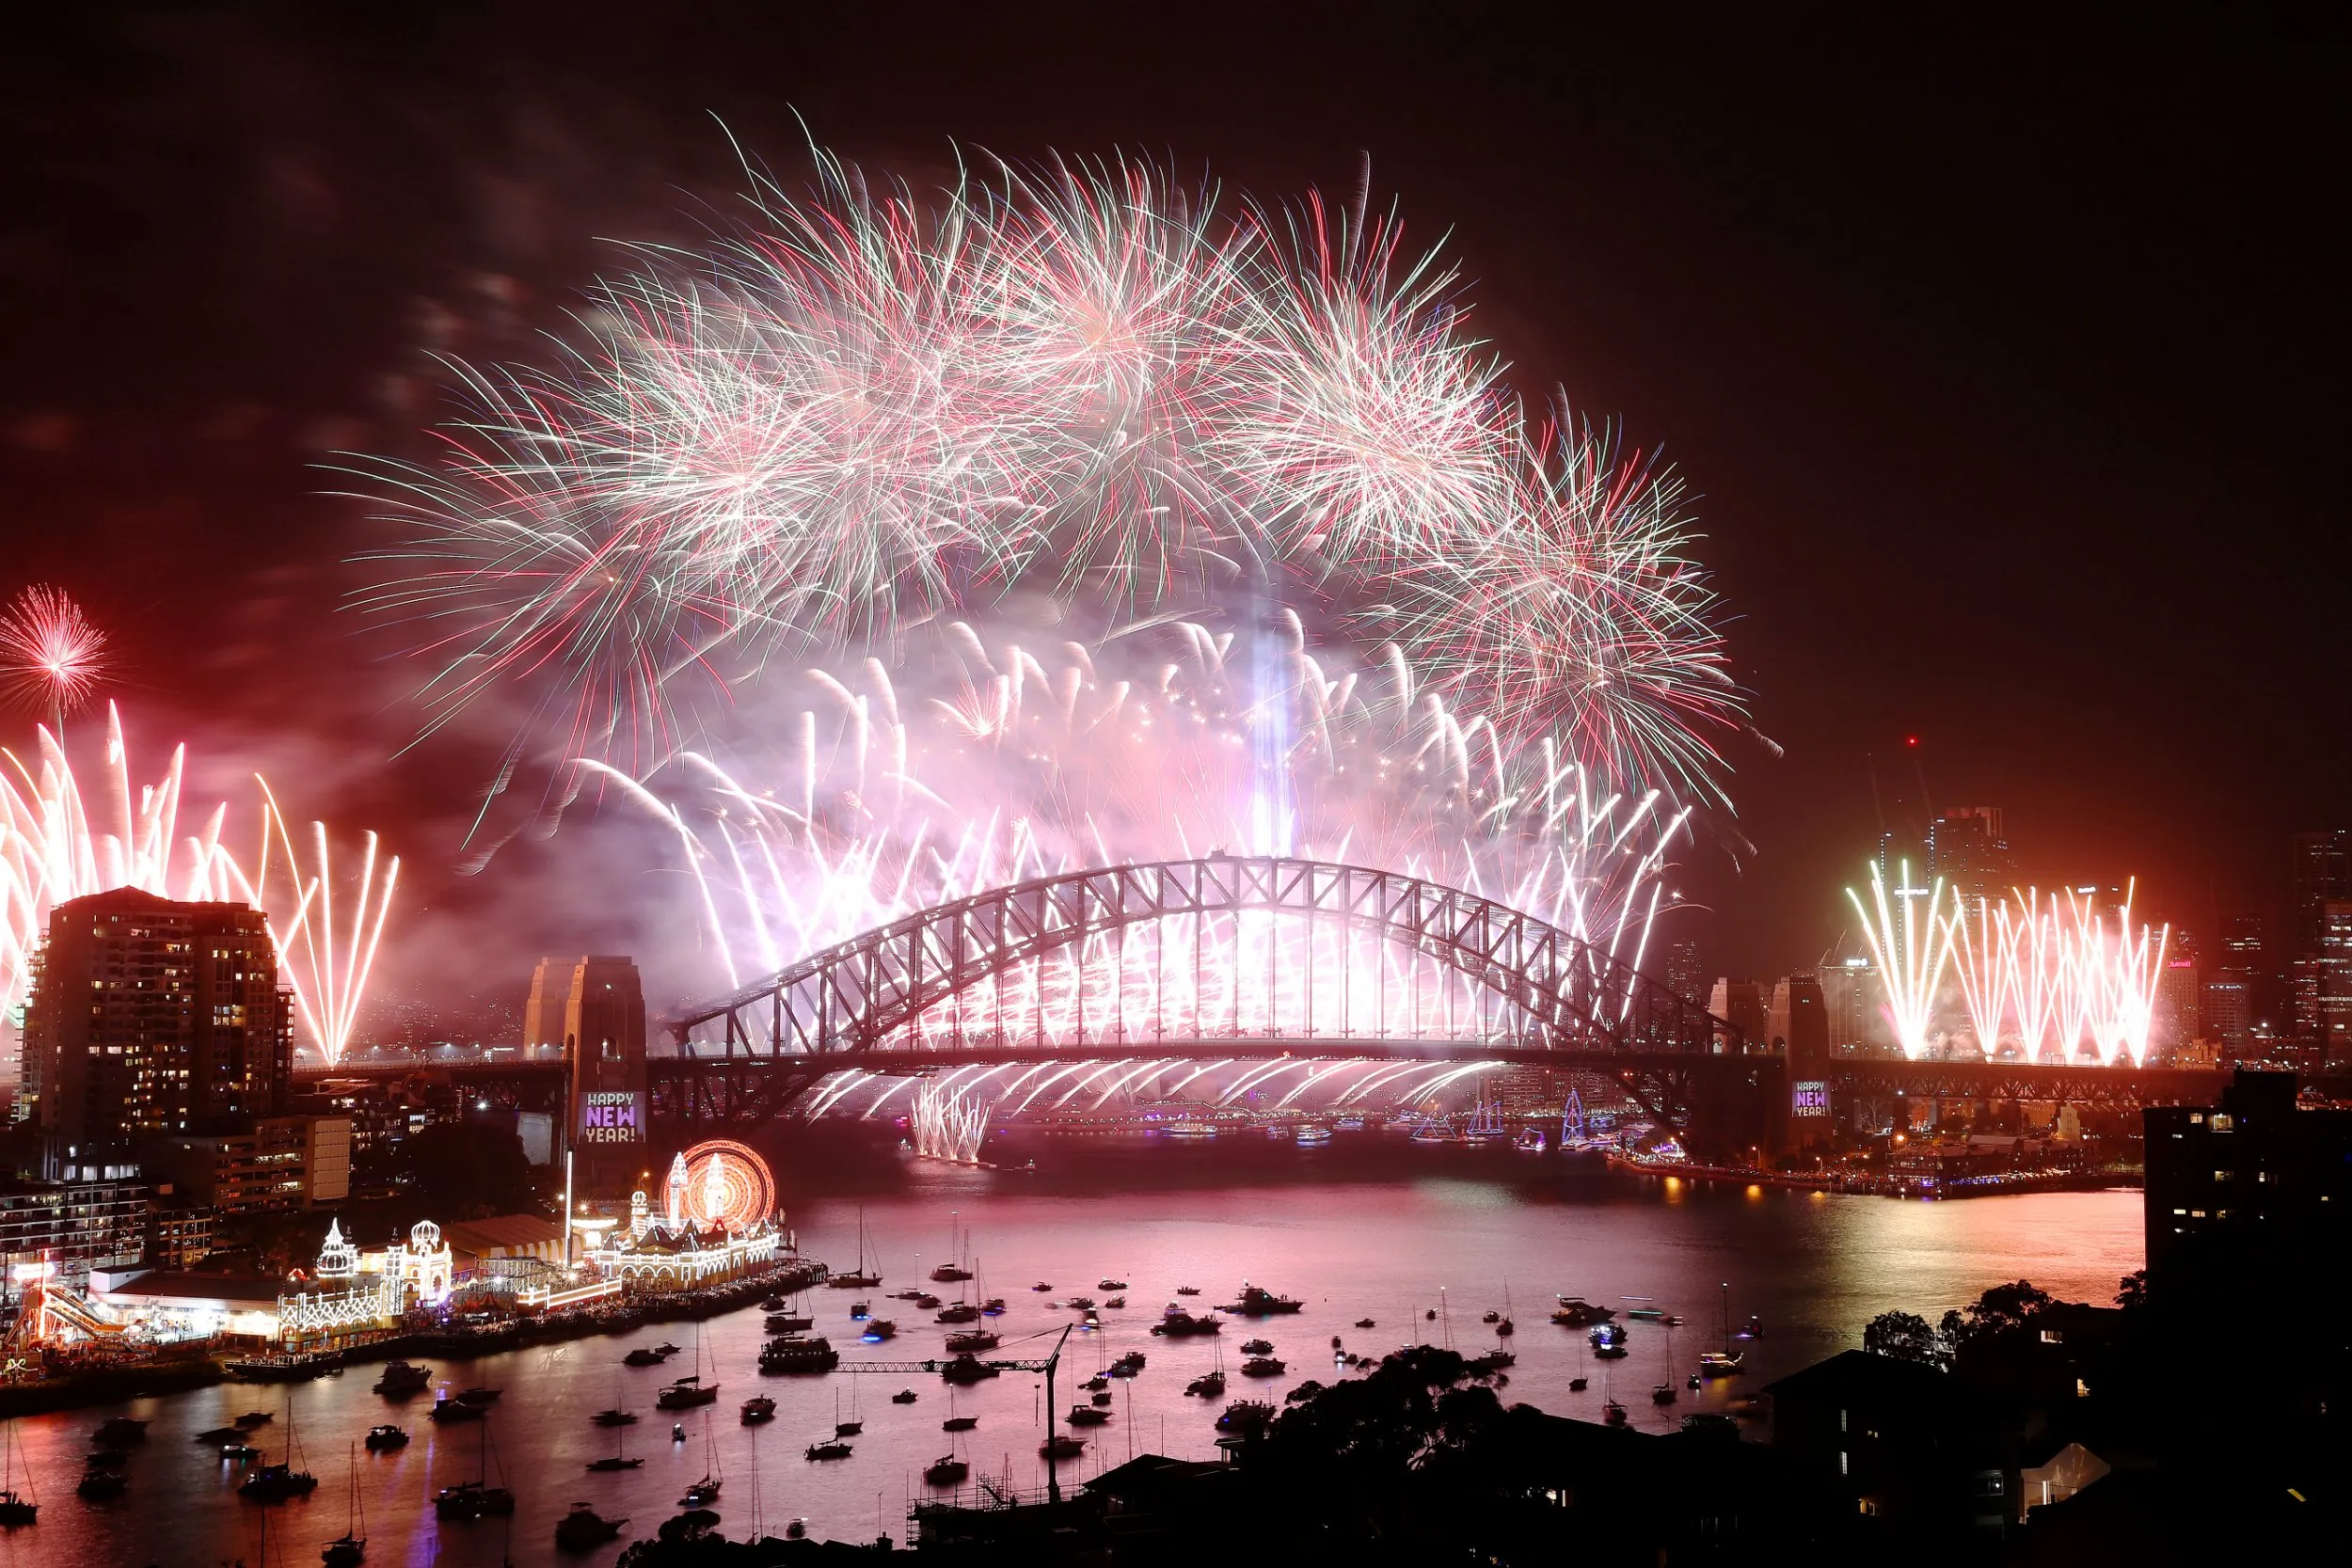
(110, 1385)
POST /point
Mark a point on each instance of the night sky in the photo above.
(2006, 360)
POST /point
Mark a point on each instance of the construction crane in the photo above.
(941, 1366)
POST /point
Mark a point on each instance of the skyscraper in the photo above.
(149, 1016)
(1684, 976)
(2323, 871)
(1967, 849)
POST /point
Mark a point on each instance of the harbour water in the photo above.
(1381, 1233)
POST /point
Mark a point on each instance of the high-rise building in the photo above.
(1967, 849)
(2323, 871)
(2331, 1005)
(149, 1016)
(1684, 975)
(1848, 992)
(594, 1008)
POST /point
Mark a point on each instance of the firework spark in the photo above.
(867, 411)
(52, 655)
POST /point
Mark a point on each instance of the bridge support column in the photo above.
(1740, 1116)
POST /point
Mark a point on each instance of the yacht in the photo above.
(829, 1447)
(1312, 1134)
(387, 1436)
(1607, 1342)
(946, 1470)
(584, 1530)
(1485, 1127)
(1715, 1363)
(759, 1408)
(685, 1393)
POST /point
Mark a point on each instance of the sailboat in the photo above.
(617, 1460)
(1486, 1123)
(860, 1280)
(14, 1509)
(687, 1392)
(852, 1427)
(1663, 1393)
(705, 1490)
(274, 1483)
(476, 1499)
(349, 1549)
(953, 1270)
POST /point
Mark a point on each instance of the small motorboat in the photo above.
(1114, 1304)
(879, 1330)
(946, 1470)
(252, 1418)
(1103, 1398)
(1754, 1329)
(1262, 1366)
(1059, 1447)
(584, 1529)
(481, 1397)
(387, 1436)
(665, 1348)
(400, 1380)
(1578, 1385)
(773, 1304)
(678, 1432)
(1127, 1365)
(831, 1448)
(470, 1499)
(759, 1408)
(1040, 1286)
(1613, 1413)
(100, 1486)
(1187, 1290)
(1080, 1304)
(642, 1356)
(960, 1423)
(239, 1453)
(1663, 1393)
(1491, 1318)
(614, 1417)
(1259, 1347)
(926, 1302)
(1366, 1322)
(904, 1396)
(446, 1410)
(613, 1461)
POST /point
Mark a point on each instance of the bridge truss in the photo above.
(1222, 958)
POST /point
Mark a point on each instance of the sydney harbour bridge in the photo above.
(1252, 960)
(895, 1001)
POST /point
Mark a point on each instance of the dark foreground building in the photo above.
(148, 1016)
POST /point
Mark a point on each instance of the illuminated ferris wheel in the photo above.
(722, 1184)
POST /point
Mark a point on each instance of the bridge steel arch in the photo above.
(849, 1000)
(742, 1061)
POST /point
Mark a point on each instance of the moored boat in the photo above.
(584, 1530)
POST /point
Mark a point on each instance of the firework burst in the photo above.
(52, 655)
(867, 411)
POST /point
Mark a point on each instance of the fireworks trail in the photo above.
(57, 843)
(2072, 984)
(864, 411)
(1909, 949)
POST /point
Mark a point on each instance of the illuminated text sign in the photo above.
(609, 1117)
